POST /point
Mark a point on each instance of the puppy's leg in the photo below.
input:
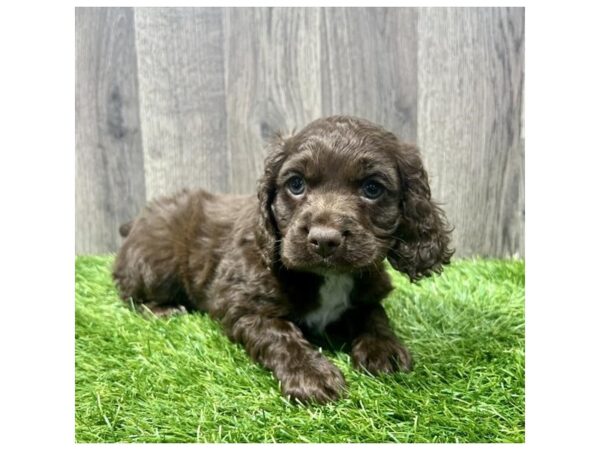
(146, 276)
(279, 345)
(375, 348)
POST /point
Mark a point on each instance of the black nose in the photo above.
(324, 240)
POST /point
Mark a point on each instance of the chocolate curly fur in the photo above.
(260, 268)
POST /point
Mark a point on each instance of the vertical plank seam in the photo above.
(419, 89)
(320, 62)
(225, 39)
(226, 43)
(139, 100)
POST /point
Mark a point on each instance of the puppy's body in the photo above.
(198, 250)
(306, 256)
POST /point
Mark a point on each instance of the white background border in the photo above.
(37, 164)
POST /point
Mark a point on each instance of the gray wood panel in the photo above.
(245, 33)
(469, 123)
(109, 176)
(272, 81)
(182, 94)
(168, 98)
(369, 66)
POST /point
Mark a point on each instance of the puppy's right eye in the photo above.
(296, 185)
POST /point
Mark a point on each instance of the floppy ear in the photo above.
(421, 240)
(267, 233)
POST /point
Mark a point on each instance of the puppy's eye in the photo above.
(372, 189)
(296, 185)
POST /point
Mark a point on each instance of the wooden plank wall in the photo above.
(185, 97)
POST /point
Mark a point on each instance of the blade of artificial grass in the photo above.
(181, 380)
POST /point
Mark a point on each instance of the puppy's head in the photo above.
(342, 195)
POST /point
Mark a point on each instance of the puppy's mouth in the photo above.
(325, 266)
(328, 265)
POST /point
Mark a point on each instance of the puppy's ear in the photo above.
(267, 233)
(422, 238)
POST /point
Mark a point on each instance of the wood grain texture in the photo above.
(180, 72)
(469, 123)
(369, 66)
(109, 177)
(248, 121)
(272, 81)
(168, 98)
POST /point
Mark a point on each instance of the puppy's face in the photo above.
(343, 194)
(337, 201)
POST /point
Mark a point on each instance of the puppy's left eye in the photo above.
(372, 189)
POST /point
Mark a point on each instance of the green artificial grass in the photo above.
(181, 380)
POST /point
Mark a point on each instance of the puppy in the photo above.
(303, 258)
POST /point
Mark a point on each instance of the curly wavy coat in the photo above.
(305, 260)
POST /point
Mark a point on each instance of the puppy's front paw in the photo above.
(318, 381)
(379, 355)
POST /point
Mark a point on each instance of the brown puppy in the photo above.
(305, 258)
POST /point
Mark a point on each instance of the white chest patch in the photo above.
(334, 299)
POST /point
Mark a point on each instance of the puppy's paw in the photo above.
(379, 355)
(318, 381)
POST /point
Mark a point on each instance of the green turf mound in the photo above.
(181, 380)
